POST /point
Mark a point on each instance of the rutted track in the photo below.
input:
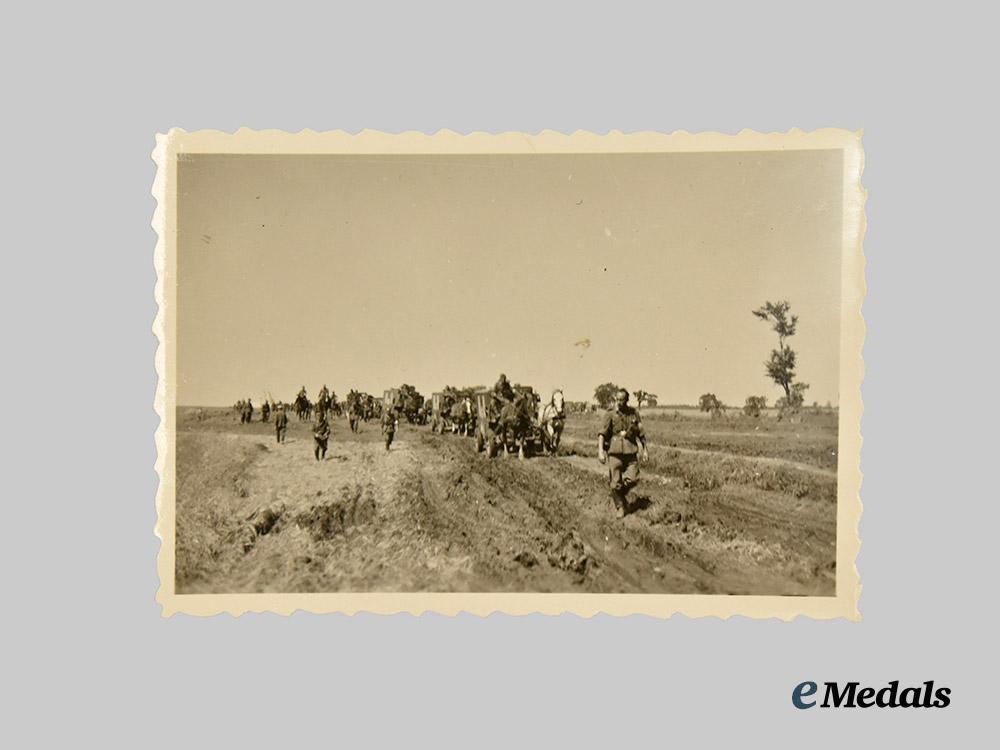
(434, 515)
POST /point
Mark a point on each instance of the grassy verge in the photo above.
(701, 472)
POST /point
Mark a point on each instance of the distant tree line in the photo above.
(604, 395)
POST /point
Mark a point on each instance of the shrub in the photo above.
(754, 406)
(708, 402)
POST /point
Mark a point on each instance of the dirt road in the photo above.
(434, 515)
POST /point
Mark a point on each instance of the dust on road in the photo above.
(433, 515)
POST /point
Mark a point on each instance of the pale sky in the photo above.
(371, 271)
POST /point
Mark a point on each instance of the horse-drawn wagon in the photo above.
(410, 404)
(392, 400)
(506, 426)
(452, 411)
(522, 424)
(439, 412)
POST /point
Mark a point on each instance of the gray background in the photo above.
(86, 652)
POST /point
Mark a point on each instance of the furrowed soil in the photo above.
(433, 515)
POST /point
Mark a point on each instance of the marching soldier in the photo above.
(280, 423)
(321, 434)
(618, 445)
(389, 425)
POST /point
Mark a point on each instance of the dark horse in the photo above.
(303, 407)
(515, 424)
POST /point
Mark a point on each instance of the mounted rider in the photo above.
(323, 399)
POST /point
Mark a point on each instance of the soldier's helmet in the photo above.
(503, 378)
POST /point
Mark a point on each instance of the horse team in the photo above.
(503, 424)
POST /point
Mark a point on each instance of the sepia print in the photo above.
(549, 373)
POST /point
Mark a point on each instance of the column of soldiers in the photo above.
(321, 426)
(621, 441)
(245, 410)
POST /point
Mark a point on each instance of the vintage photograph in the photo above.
(522, 373)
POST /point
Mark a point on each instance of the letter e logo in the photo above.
(803, 690)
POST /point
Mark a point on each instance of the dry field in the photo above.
(729, 506)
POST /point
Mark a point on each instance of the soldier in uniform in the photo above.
(502, 393)
(389, 425)
(321, 434)
(265, 411)
(502, 389)
(280, 423)
(618, 445)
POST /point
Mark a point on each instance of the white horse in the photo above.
(552, 419)
(461, 417)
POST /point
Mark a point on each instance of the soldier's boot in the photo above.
(625, 502)
(618, 502)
